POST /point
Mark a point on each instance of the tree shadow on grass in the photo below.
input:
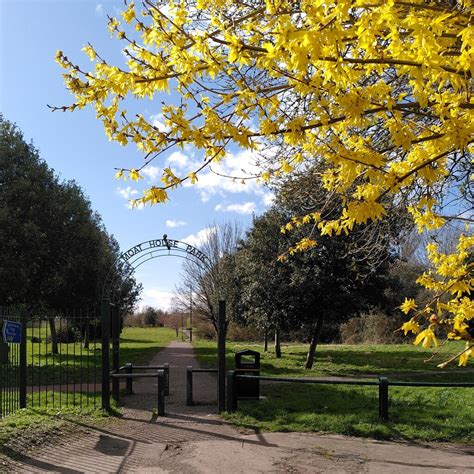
(345, 362)
(414, 415)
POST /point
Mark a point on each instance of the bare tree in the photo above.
(216, 282)
(173, 320)
(413, 245)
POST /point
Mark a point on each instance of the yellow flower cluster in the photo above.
(452, 282)
(381, 92)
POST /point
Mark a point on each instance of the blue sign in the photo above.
(11, 332)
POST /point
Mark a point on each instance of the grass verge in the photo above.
(416, 413)
(74, 362)
(42, 425)
(139, 345)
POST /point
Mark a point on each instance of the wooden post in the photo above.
(221, 337)
(231, 392)
(167, 378)
(161, 392)
(129, 380)
(189, 386)
(105, 317)
(383, 398)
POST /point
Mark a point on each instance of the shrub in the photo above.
(133, 320)
(373, 327)
(203, 329)
(242, 333)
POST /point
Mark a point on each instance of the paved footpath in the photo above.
(195, 440)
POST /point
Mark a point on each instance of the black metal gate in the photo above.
(66, 357)
(57, 363)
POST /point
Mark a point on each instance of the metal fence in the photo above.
(161, 372)
(382, 383)
(62, 360)
(189, 382)
(10, 355)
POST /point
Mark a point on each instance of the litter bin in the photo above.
(247, 362)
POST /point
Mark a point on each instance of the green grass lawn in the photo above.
(139, 345)
(74, 363)
(428, 414)
(76, 367)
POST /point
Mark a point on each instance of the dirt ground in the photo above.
(195, 440)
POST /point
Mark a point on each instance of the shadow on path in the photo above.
(195, 440)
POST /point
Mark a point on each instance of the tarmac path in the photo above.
(195, 440)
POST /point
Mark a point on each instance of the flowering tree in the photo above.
(379, 92)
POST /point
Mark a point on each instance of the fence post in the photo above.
(189, 386)
(129, 380)
(231, 392)
(167, 378)
(161, 392)
(383, 398)
(23, 361)
(105, 328)
(221, 324)
(114, 314)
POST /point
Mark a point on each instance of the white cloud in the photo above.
(197, 239)
(127, 193)
(158, 121)
(243, 208)
(250, 124)
(268, 199)
(138, 207)
(178, 159)
(156, 298)
(151, 172)
(239, 165)
(99, 9)
(165, 9)
(173, 224)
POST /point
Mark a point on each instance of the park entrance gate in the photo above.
(130, 260)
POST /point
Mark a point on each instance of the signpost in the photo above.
(11, 332)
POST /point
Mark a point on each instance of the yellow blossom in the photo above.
(408, 305)
(411, 326)
(427, 338)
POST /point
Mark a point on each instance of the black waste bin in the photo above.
(247, 362)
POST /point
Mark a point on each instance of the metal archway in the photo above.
(148, 250)
(131, 259)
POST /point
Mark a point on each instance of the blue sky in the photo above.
(75, 145)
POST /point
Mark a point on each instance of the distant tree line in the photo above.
(155, 317)
(55, 251)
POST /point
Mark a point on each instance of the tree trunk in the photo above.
(87, 335)
(277, 344)
(265, 341)
(54, 336)
(177, 332)
(314, 342)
